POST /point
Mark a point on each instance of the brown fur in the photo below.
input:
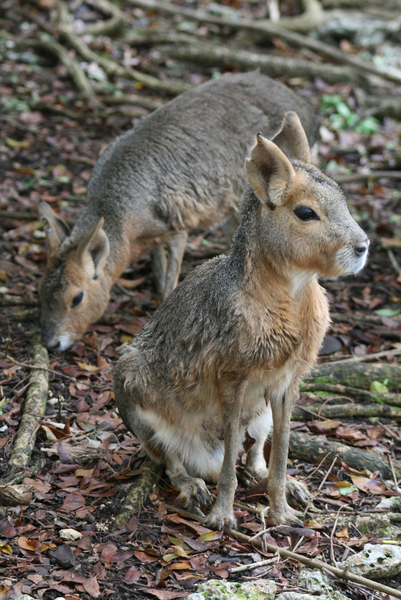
(223, 355)
(180, 168)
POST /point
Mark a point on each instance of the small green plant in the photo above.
(342, 117)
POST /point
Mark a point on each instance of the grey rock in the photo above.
(262, 589)
(375, 561)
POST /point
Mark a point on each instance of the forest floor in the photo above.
(51, 137)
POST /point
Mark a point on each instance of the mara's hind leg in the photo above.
(175, 252)
(296, 491)
(255, 460)
(193, 491)
(159, 267)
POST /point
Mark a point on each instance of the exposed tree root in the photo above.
(357, 393)
(312, 448)
(345, 411)
(34, 409)
(357, 375)
(139, 491)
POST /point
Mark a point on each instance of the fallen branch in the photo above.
(134, 99)
(271, 30)
(356, 375)
(357, 393)
(96, 113)
(310, 562)
(110, 67)
(24, 216)
(353, 177)
(213, 55)
(47, 44)
(139, 490)
(22, 316)
(368, 357)
(34, 408)
(39, 367)
(313, 448)
(17, 301)
(345, 411)
(15, 495)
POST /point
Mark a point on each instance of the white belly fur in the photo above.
(198, 438)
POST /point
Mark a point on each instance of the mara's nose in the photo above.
(361, 248)
(48, 342)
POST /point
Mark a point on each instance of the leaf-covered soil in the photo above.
(90, 457)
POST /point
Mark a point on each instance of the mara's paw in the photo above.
(218, 519)
(193, 494)
(296, 492)
(259, 473)
(287, 516)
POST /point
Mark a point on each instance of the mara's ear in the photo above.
(291, 138)
(269, 171)
(96, 247)
(56, 229)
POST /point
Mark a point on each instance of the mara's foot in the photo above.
(285, 516)
(194, 494)
(219, 518)
(296, 492)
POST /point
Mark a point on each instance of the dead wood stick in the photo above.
(367, 357)
(76, 115)
(13, 214)
(352, 317)
(310, 562)
(48, 44)
(209, 54)
(34, 407)
(365, 176)
(112, 25)
(345, 411)
(356, 374)
(17, 301)
(40, 368)
(134, 99)
(110, 67)
(312, 448)
(345, 390)
(271, 30)
(31, 314)
(139, 490)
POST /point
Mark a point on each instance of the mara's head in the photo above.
(305, 226)
(73, 291)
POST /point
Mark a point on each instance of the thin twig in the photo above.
(367, 357)
(321, 485)
(28, 366)
(259, 563)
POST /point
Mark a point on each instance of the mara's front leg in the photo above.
(222, 514)
(282, 406)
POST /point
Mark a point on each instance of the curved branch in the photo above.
(111, 25)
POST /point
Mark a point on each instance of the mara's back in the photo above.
(183, 165)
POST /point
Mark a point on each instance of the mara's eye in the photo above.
(77, 299)
(304, 213)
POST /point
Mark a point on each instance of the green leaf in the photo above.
(388, 312)
(378, 388)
